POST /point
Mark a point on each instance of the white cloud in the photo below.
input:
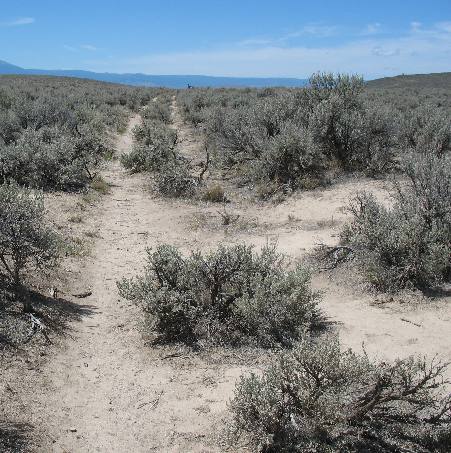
(372, 29)
(321, 31)
(82, 47)
(255, 42)
(70, 48)
(428, 50)
(415, 26)
(18, 22)
(89, 47)
(385, 52)
(310, 30)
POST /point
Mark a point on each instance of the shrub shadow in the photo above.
(57, 314)
(14, 437)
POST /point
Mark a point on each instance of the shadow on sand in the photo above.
(14, 437)
(57, 314)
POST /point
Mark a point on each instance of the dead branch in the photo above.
(83, 295)
(154, 403)
(228, 218)
(37, 326)
(335, 255)
(410, 322)
(205, 165)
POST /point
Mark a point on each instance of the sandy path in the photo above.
(106, 391)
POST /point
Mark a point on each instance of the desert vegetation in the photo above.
(231, 296)
(25, 238)
(55, 133)
(155, 152)
(321, 398)
(304, 138)
(236, 317)
(407, 245)
(54, 136)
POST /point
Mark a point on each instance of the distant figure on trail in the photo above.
(190, 86)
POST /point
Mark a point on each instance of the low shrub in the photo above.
(318, 398)
(154, 148)
(157, 111)
(427, 128)
(289, 157)
(155, 152)
(174, 180)
(25, 239)
(214, 194)
(100, 185)
(407, 245)
(230, 296)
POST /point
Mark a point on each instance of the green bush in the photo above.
(317, 398)
(289, 157)
(407, 245)
(174, 180)
(54, 132)
(155, 151)
(157, 111)
(48, 160)
(230, 296)
(287, 136)
(214, 194)
(427, 128)
(154, 147)
(25, 239)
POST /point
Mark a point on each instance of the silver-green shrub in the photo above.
(409, 244)
(153, 149)
(230, 296)
(317, 398)
(26, 241)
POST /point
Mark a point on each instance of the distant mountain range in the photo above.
(168, 81)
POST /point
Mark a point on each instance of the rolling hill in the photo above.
(440, 80)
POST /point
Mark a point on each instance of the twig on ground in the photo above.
(335, 254)
(37, 326)
(154, 403)
(411, 322)
(82, 295)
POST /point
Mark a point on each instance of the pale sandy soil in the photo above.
(105, 390)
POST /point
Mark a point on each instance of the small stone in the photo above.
(73, 430)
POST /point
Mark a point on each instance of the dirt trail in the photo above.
(106, 391)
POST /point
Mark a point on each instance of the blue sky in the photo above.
(234, 38)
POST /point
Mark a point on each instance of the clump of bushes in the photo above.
(300, 138)
(231, 296)
(289, 158)
(214, 194)
(26, 241)
(174, 180)
(153, 149)
(409, 244)
(158, 111)
(46, 159)
(317, 398)
(155, 152)
(427, 128)
(292, 136)
(54, 133)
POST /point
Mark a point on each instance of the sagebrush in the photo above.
(407, 245)
(230, 296)
(318, 398)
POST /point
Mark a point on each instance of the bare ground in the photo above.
(104, 389)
